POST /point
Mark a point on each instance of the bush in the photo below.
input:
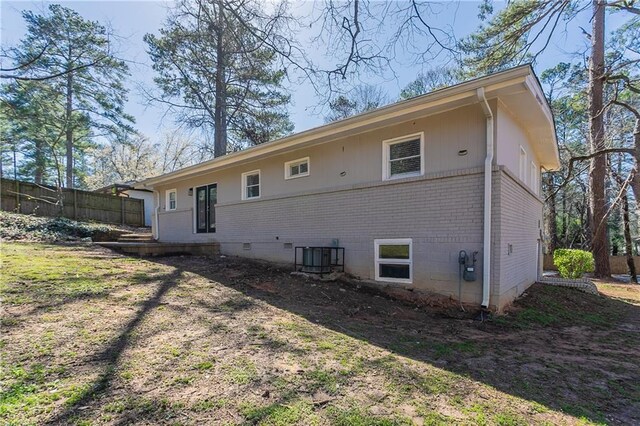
(573, 263)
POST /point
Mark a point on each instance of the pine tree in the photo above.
(79, 53)
(217, 75)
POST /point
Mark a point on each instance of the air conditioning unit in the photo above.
(319, 259)
(316, 260)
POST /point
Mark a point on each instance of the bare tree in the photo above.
(131, 158)
(362, 98)
(430, 80)
(363, 36)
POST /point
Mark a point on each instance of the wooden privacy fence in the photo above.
(29, 198)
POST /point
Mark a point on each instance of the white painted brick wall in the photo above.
(442, 215)
(519, 220)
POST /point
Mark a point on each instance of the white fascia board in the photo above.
(356, 124)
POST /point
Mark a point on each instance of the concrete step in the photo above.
(136, 238)
(164, 249)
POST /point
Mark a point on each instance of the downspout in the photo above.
(488, 165)
(156, 228)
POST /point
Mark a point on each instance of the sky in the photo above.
(131, 20)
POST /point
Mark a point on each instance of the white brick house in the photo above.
(403, 189)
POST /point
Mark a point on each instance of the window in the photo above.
(251, 185)
(393, 260)
(403, 157)
(296, 168)
(171, 199)
(206, 199)
(523, 164)
(534, 177)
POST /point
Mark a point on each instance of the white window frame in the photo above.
(522, 172)
(377, 261)
(167, 200)
(244, 184)
(386, 165)
(534, 178)
(289, 164)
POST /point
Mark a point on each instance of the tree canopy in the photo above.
(215, 73)
(85, 84)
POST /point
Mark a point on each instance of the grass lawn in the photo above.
(93, 337)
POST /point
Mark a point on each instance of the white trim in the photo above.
(194, 228)
(244, 184)
(534, 178)
(377, 261)
(155, 228)
(522, 166)
(167, 204)
(288, 164)
(386, 146)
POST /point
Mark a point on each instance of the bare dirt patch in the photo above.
(90, 337)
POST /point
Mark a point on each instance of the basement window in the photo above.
(251, 185)
(171, 199)
(296, 168)
(394, 260)
(403, 157)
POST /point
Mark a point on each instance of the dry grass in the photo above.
(90, 337)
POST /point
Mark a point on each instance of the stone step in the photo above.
(164, 249)
(136, 238)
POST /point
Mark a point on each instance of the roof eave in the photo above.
(551, 161)
(397, 110)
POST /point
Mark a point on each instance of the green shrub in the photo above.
(573, 263)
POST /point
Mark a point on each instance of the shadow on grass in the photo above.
(51, 295)
(563, 349)
(113, 351)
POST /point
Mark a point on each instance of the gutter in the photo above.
(488, 165)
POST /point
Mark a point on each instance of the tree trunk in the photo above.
(597, 170)
(38, 172)
(565, 221)
(635, 182)
(585, 219)
(220, 115)
(552, 225)
(628, 243)
(69, 129)
(635, 187)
